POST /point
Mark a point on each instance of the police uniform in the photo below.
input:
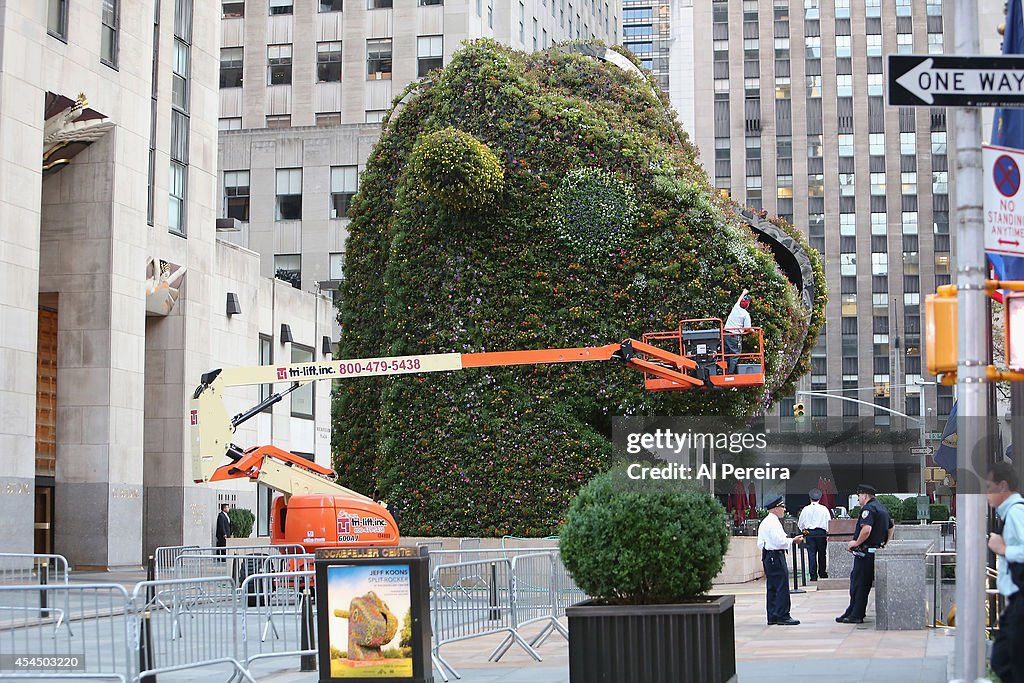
(773, 542)
(875, 515)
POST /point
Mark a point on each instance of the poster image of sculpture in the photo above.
(370, 621)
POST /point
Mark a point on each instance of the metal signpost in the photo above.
(967, 82)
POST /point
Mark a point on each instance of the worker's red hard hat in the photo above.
(744, 302)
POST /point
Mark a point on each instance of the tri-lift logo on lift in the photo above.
(303, 371)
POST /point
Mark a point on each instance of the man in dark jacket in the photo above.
(223, 528)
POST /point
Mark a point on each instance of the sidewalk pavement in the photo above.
(818, 649)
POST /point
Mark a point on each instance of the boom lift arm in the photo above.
(289, 474)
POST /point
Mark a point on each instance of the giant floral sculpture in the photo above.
(521, 201)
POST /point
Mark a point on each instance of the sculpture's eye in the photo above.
(594, 211)
(457, 169)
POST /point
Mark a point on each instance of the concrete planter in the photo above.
(688, 643)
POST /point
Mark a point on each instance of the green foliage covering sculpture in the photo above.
(527, 201)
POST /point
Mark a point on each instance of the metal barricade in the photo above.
(98, 647)
(185, 623)
(474, 611)
(165, 557)
(278, 620)
(941, 593)
(39, 569)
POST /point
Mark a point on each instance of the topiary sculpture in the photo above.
(525, 201)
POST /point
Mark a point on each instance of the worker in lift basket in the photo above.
(738, 318)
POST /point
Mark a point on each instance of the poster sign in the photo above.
(1004, 201)
(370, 613)
(373, 615)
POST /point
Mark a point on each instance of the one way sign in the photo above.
(950, 81)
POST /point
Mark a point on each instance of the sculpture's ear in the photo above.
(457, 169)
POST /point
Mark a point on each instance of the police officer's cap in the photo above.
(814, 494)
(778, 502)
(866, 488)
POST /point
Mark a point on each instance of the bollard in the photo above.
(492, 598)
(44, 579)
(150, 576)
(146, 648)
(796, 579)
(803, 565)
(307, 662)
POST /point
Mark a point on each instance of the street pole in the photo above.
(969, 652)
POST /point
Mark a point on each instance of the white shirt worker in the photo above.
(771, 535)
(738, 318)
(814, 516)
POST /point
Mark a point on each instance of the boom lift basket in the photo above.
(702, 340)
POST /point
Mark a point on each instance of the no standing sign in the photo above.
(1004, 201)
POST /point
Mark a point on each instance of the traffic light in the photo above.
(940, 344)
(798, 409)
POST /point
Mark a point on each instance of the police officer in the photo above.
(813, 521)
(874, 526)
(773, 542)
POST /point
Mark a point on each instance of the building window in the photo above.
(844, 86)
(179, 75)
(846, 145)
(57, 18)
(378, 4)
(289, 194)
(331, 5)
(908, 184)
(337, 266)
(877, 183)
(288, 267)
(176, 203)
(874, 44)
(843, 46)
(428, 54)
(328, 62)
(939, 142)
(428, 3)
(281, 6)
(331, 118)
(279, 121)
(230, 123)
(847, 224)
(374, 116)
(876, 144)
(231, 67)
(236, 195)
(109, 17)
(266, 358)
(344, 185)
(378, 59)
(302, 398)
(279, 64)
(230, 9)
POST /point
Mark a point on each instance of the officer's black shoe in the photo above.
(848, 620)
(814, 578)
(822, 575)
(785, 622)
(841, 619)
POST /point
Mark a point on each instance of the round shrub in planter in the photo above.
(241, 522)
(643, 542)
(647, 551)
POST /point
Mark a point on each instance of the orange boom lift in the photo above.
(315, 511)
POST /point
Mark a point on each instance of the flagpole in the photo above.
(969, 654)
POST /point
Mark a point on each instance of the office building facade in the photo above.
(304, 87)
